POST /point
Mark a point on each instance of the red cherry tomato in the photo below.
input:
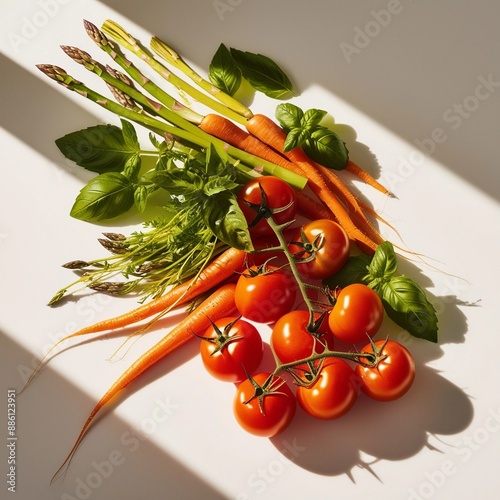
(358, 312)
(326, 242)
(264, 298)
(231, 348)
(291, 341)
(265, 410)
(393, 375)
(332, 394)
(278, 195)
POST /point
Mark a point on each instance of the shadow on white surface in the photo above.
(415, 72)
(49, 415)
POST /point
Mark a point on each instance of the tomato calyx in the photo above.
(263, 210)
(308, 376)
(222, 338)
(308, 248)
(269, 387)
(375, 357)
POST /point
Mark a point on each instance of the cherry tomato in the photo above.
(264, 294)
(278, 195)
(358, 312)
(325, 241)
(266, 408)
(332, 394)
(229, 347)
(291, 341)
(393, 375)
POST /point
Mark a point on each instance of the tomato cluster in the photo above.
(309, 373)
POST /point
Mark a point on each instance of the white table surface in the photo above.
(400, 75)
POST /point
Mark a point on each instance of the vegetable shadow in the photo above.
(49, 418)
(373, 431)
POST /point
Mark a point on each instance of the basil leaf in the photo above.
(101, 148)
(384, 263)
(263, 74)
(224, 217)
(103, 197)
(312, 117)
(130, 136)
(223, 72)
(141, 194)
(295, 138)
(354, 271)
(325, 147)
(406, 304)
(132, 167)
(289, 116)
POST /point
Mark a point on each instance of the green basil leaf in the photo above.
(141, 194)
(223, 72)
(384, 263)
(103, 197)
(226, 220)
(312, 117)
(263, 74)
(130, 136)
(289, 116)
(216, 161)
(406, 304)
(132, 167)
(354, 271)
(295, 138)
(325, 147)
(101, 148)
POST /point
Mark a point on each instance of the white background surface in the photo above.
(406, 75)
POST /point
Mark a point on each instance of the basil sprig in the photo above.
(202, 179)
(229, 66)
(405, 302)
(319, 142)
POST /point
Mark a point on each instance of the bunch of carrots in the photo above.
(234, 127)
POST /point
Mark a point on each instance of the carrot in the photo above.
(224, 129)
(221, 268)
(231, 133)
(220, 304)
(366, 177)
(272, 134)
(217, 271)
(354, 207)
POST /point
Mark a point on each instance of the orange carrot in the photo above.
(221, 268)
(220, 304)
(366, 177)
(229, 132)
(216, 272)
(272, 134)
(352, 204)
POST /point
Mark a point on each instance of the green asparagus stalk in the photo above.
(174, 59)
(120, 36)
(245, 159)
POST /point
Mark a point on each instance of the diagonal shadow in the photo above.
(111, 455)
(402, 78)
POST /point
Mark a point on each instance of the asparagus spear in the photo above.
(194, 135)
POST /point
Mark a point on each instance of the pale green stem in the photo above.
(126, 40)
(172, 57)
(257, 164)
